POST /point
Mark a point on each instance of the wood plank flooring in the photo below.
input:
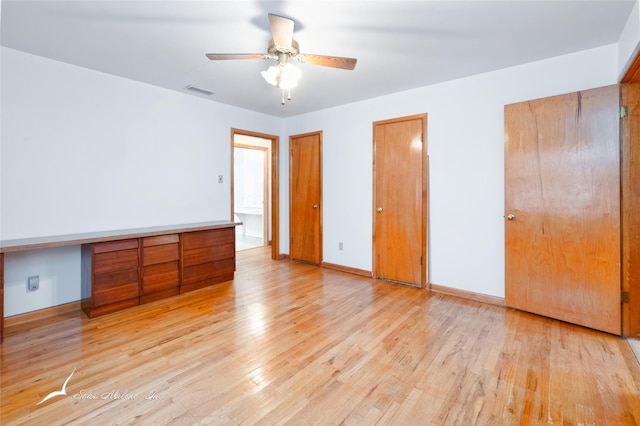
(290, 343)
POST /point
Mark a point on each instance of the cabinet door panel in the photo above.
(207, 271)
(115, 261)
(160, 254)
(160, 240)
(160, 277)
(114, 246)
(208, 254)
(115, 287)
(115, 279)
(191, 240)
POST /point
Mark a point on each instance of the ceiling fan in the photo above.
(285, 50)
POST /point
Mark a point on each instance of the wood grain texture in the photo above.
(291, 343)
(160, 254)
(633, 73)
(208, 257)
(194, 240)
(562, 183)
(112, 269)
(305, 217)
(161, 240)
(41, 313)
(400, 198)
(631, 209)
(159, 277)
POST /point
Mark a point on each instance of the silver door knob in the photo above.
(511, 216)
(379, 209)
(315, 206)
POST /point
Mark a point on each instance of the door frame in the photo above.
(265, 187)
(630, 204)
(275, 185)
(425, 276)
(321, 201)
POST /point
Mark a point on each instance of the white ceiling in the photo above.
(399, 45)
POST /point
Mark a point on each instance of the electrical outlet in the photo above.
(219, 178)
(33, 283)
(340, 246)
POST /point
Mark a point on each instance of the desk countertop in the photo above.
(7, 246)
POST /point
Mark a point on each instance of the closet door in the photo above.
(400, 200)
(305, 215)
(562, 207)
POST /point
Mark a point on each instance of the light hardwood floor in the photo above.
(290, 343)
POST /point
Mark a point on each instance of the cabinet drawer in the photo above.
(160, 277)
(115, 287)
(115, 246)
(159, 254)
(207, 271)
(115, 261)
(207, 254)
(160, 240)
(191, 240)
(115, 294)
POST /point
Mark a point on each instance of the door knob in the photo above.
(315, 206)
(511, 216)
(379, 209)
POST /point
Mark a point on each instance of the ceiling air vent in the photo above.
(199, 90)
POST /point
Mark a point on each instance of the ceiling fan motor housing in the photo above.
(291, 51)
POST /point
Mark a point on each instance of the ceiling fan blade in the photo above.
(328, 61)
(224, 56)
(281, 31)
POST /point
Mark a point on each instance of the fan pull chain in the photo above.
(283, 102)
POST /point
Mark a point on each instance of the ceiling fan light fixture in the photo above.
(271, 75)
(282, 76)
(289, 76)
(284, 49)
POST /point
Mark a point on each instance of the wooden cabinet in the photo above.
(160, 272)
(110, 276)
(123, 273)
(121, 269)
(208, 257)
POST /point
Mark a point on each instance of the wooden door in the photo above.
(630, 168)
(399, 234)
(562, 207)
(306, 198)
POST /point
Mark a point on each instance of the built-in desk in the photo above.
(132, 266)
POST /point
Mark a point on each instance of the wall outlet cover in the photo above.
(33, 283)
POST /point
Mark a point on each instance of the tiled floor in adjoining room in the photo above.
(245, 242)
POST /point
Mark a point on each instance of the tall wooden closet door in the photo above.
(400, 200)
(562, 207)
(306, 196)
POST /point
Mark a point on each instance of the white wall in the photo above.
(629, 42)
(87, 151)
(465, 145)
(74, 141)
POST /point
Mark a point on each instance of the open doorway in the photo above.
(250, 194)
(254, 192)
